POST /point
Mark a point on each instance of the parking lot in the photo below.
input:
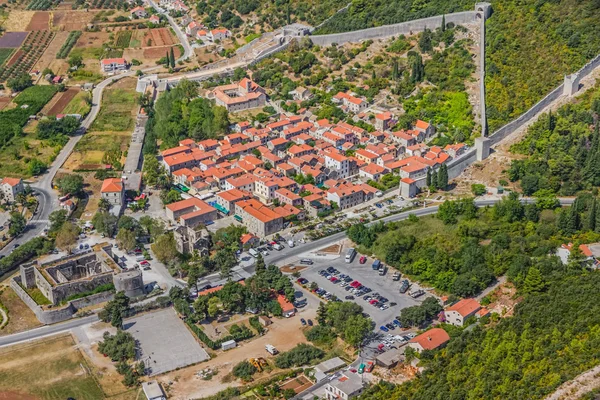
(370, 279)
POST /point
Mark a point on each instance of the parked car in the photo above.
(306, 261)
(390, 326)
(384, 328)
(397, 323)
(303, 321)
(362, 259)
(310, 323)
(349, 297)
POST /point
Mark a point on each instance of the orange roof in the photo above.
(286, 306)
(246, 237)
(234, 194)
(176, 150)
(215, 289)
(11, 181)
(179, 158)
(465, 307)
(258, 210)
(188, 203)
(107, 61)
(112, 185)
(373, 169)
(432, 339)
(421, 124)
(288, 194)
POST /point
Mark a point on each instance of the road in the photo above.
(38, 333)
(47, 198)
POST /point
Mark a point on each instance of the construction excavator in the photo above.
(259, 363)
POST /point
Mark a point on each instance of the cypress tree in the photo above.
(167, 63)
(533, 281)
(395, 71)
(172, 58)
(572, 223)
(444, 23)
(591, 172)
(428, 179)
(592, 215)
(434, 180)
(443, 177)
(597, 222)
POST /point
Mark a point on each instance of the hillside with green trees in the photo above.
(555, 331)
(367, 14)
(562, 150)
(180, 113)
(530, 46)
(266, 14)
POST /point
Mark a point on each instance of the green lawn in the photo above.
(5, 55)
(87, 52)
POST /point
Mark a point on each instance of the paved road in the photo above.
(46, 331)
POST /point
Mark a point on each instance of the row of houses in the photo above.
(198, 31)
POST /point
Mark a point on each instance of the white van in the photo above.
(140, 258)
(253, 253)
(290, 243)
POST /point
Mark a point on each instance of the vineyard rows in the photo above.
(68, 45)
(118, 4)
(26, 57)
(42, 4)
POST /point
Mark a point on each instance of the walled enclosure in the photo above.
(71, 275)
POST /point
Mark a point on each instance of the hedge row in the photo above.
(34, 247)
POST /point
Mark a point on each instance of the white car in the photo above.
(265, 253)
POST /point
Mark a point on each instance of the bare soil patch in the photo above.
(62, 101)
(72, 20)
(289, 269)
(4, 102)
(158, 37)
(333, 249)
(39, 22)
(156, 53)
(92, 39)
(15, 57)
(17, 396)
(21, 317)
(504, 300)
(298, 384)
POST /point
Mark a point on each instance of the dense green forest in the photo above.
(367, 14)
(530, 45)
(180, 113)
(553, 337)
(562, 149)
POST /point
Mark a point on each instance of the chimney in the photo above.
(429, 338)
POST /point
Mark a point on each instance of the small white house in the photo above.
(153, 391)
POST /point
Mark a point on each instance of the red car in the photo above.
(362, 260)
(144, 262)
(373, 302)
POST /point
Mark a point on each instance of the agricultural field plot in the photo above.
(109, 136)
(156, 53)
(27, 56)
(80, 104)
(4, 101)
(68, 44)
(48, 58)
(5, 54)
(123, 39)
(60, 101)
(42, 4)
(75, 20)
(39, 22)
(17, 20)
(107, 4)
(158, 37)
(92, 40)
(12, 40)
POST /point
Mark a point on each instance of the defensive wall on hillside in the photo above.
(403, 28)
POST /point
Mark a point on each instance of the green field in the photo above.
(123, 39)
(79, 104)
(117, 112)
(87, 52)
(38, 296)
(5, 55)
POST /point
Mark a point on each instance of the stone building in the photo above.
(188, 240)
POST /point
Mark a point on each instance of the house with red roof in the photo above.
(191, 212)
(10, 188)
(457, 313)
(112, 65)
(429, 340)
(244, 95)
(288, 310)
(138, 12)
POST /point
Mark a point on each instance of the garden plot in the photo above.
(39, 22)
(27, 56)
(12, 40)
